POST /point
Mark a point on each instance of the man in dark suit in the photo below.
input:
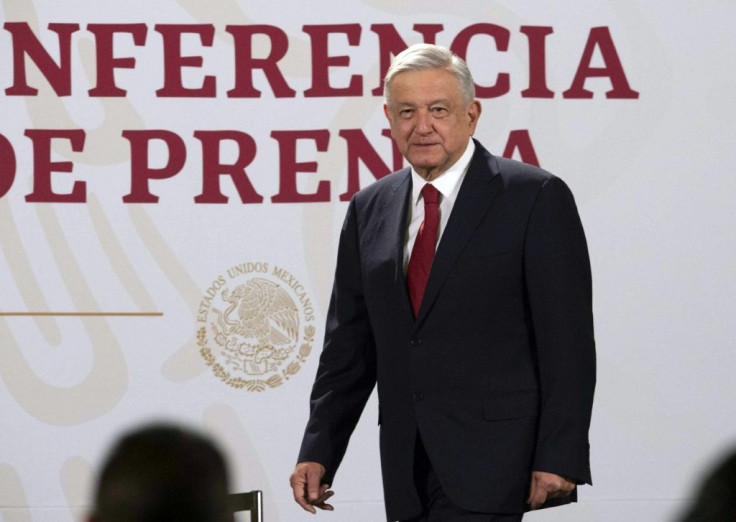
(463, 289)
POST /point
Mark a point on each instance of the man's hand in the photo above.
(305, 484)
(545, 486)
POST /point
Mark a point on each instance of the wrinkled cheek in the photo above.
(401, 142)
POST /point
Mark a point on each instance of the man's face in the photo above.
(429, 119)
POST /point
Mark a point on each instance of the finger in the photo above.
(561, 491)
(298, 482)
(539, 498)
(306, 506)
(538, 495)
(564, 491)
(321, 502)
(324, 493)
(559, 488)
(532, 488)
(326, 507)
(325, 496)
(301, 498)
(314, 489)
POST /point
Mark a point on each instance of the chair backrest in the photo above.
(250, 501)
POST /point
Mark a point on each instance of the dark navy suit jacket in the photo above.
(496, 373)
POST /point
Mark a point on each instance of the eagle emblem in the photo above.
(257, 334)
(260, 328)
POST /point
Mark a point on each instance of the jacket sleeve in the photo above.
(346, 373)
(559, 289)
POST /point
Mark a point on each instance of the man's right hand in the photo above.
(305, 484)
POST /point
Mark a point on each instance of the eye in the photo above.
(406, 113)
(438, 111)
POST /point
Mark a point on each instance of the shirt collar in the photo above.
(446, 183)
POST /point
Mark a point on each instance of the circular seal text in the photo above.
(257, 327)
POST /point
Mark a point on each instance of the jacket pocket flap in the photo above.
(514, 406)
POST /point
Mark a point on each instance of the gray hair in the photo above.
(419, 57)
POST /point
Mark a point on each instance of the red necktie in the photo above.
(422, 253)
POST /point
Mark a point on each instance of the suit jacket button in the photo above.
(415, 341)
(417, 396)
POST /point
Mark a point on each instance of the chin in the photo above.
(423, 162)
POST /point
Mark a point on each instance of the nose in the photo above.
(424, 122)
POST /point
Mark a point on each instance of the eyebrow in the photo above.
(445, 101)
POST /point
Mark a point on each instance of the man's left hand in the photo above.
(545, 486)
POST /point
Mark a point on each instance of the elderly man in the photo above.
(463, 290)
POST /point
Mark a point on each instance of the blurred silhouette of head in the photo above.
(162, 472)
(716, 499)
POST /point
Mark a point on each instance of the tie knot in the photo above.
(430, 194)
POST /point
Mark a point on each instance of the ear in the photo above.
(474, 110)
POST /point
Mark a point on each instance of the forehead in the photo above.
(423, 86)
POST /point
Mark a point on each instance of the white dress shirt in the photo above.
(448, 184)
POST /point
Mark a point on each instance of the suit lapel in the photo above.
(395, 212)
(474, 199)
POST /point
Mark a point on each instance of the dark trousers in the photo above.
(437, 507)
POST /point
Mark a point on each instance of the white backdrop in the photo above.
(652, 176)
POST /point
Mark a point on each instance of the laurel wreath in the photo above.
(256, 385)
